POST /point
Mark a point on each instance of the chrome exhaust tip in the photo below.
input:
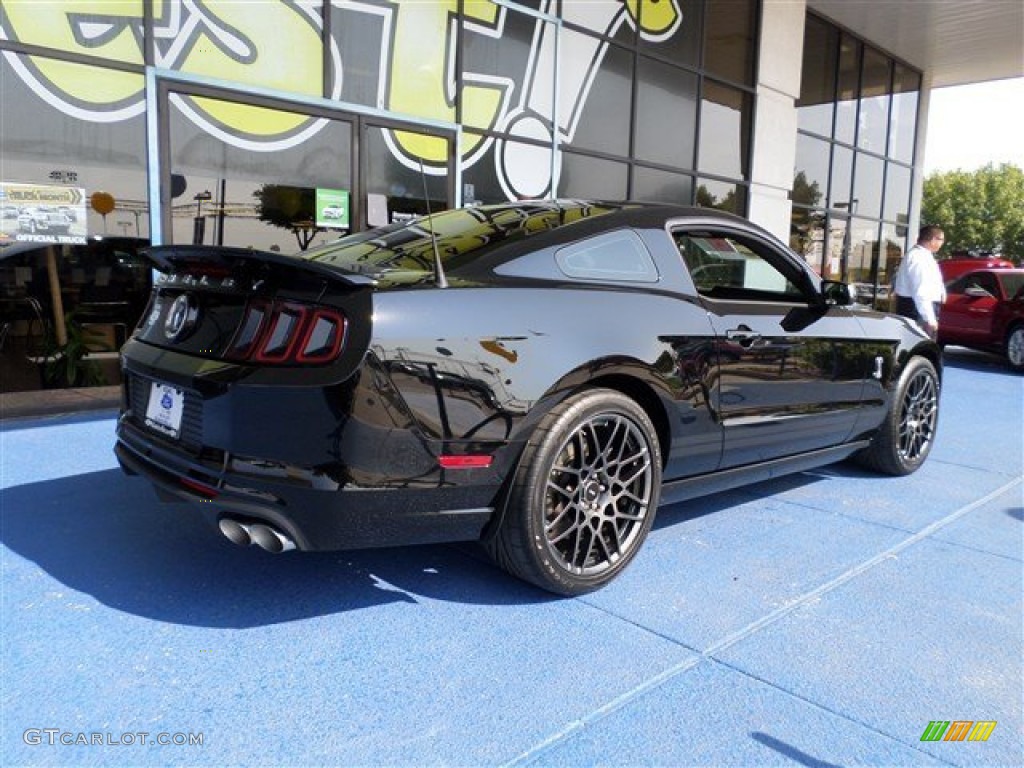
(270, 539)
(235, 532)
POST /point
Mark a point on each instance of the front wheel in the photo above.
(906, 436)
(584, 496)
(1015, 348)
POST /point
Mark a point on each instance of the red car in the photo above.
(984, 310)
(962, 262)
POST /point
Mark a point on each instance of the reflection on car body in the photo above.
(538, 376)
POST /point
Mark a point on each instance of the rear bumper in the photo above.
(315, 511)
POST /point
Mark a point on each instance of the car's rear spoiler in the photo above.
(169, 258)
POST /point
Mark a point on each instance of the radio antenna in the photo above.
(439, 278)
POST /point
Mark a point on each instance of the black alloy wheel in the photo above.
(584, 496)
(906, 436)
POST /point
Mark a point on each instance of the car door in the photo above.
(792, 368)
(969, 310)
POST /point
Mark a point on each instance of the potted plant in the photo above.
(68, 364)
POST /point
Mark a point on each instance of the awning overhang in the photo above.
(954, 42)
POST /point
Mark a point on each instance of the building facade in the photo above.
(280, 124)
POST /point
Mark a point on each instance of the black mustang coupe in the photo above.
(538, 376)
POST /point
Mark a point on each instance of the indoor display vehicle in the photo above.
(43, 219)
(536, 376)
(984, 310)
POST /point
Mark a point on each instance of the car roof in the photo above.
(996, 272)
(481, 237)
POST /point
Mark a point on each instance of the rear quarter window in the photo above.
(619, 256)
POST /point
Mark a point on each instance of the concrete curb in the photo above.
(53, 402)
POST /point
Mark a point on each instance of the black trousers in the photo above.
(908, 308)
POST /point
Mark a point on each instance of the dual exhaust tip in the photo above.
(245, 533)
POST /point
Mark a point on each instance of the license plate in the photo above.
(165, 408)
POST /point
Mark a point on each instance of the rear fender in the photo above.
(630, 377)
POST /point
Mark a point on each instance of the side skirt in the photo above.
(715, 482)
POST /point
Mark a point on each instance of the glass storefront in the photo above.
(265, 200)
(544, 92)
(283, 128)
(74, 214)
(857, 120)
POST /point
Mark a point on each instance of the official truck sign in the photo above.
(43, 213)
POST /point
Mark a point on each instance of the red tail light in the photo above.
(283, 333)
(278, 343)
(467, 461)
(325, 333)
(201, 488)
(249, 332)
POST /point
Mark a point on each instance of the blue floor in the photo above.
(818, 620)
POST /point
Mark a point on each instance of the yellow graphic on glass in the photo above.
(279, 47)
(421, 81)
(272, 46)
(654, 17)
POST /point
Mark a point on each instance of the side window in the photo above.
(981, 280)
(618, 256)
(725, 267)
(988, 282)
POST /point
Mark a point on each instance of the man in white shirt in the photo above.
(918, 283)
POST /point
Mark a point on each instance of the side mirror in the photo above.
(836, 294)
(978, 292)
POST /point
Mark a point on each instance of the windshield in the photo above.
(463, 235)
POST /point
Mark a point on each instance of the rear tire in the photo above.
(1015, 348)
(905, 438)
(584, 496)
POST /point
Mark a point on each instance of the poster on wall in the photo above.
(332, 208)
(42, 213)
